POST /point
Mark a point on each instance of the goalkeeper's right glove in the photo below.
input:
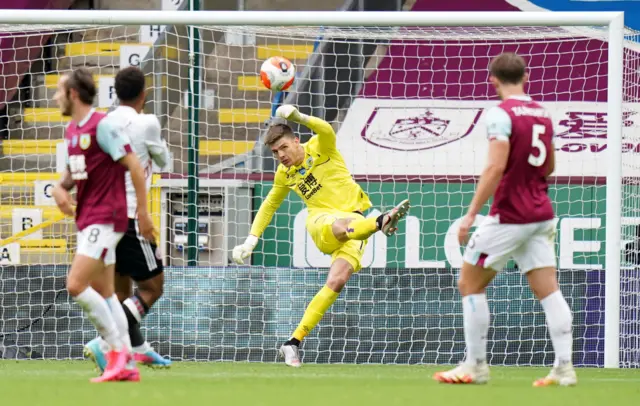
(291, 113)
(244, 250)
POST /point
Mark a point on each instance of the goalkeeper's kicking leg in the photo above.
(351, 235)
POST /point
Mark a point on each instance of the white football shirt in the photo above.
(143, 131)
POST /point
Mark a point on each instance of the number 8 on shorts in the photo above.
(99, 241)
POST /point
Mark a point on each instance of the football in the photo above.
(277, 73)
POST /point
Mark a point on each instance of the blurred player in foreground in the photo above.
(98, 156)
(318, 174)
(520, 225)
(136, 258)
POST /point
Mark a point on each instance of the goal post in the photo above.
(614, 192)
(409, 124)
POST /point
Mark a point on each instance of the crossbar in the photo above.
(305, 18)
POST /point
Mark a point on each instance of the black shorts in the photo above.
(136, 257)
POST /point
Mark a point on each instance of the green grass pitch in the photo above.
(66, 383)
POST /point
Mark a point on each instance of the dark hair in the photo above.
(129, 84)
(508, 68)
(276, 132)
(81, 80)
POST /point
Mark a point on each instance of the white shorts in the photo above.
(99, 241)
(531, 245)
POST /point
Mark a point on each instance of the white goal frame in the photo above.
(613, 20)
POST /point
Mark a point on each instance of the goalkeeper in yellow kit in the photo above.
(318, 174)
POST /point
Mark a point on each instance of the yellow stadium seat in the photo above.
(225, 147)
(51, 81)
(94, 48)
(111, 49)
(45, 246)
(46, 115)
(241, 115)
(25, 178)
(287, 51)
(29, 147)
(251, 83)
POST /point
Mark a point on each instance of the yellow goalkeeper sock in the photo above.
(361, 229)
(316, 309)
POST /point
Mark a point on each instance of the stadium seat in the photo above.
(27, 147)
(46, 115)
(25, 178)
(44, 246)
(287, 51)
(93, 48)
(242, 115)
(51, 81)
(225, 147)
(251, 83)
(108, 49)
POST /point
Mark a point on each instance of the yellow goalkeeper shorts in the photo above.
(319, 226)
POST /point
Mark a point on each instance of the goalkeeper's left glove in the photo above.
(291, 113)
(242, 251)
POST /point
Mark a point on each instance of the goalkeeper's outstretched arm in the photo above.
(326, 134)
(265, 213)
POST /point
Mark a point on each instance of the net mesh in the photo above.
(408, 106)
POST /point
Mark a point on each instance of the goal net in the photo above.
(408, 106)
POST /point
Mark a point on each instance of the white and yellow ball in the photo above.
(277, 73)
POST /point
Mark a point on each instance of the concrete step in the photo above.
(12, 196)
(27, 131)
(28, 163)
(181, 166)
(45, 87)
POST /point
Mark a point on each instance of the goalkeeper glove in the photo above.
(291, 113)
(242, 251)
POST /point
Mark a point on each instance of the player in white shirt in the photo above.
(137, 259)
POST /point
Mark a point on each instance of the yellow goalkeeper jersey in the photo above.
(322, 181)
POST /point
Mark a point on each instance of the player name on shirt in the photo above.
(530, 111)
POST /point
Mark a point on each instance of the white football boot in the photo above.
(392, 217)
(291, 355)
(465, 373)
(563, 375)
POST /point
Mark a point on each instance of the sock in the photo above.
(293, 341)
(475, 311)
(559, 320)
(136, 309)
(137, 306)
(135, 335)
(316, 309)
(100, 315)
(361, 229)
(121, 320)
